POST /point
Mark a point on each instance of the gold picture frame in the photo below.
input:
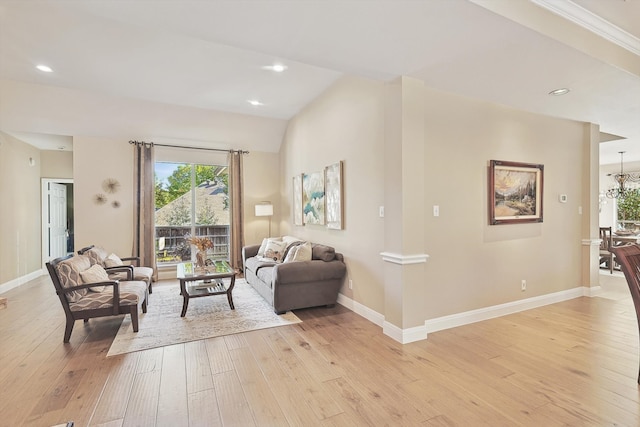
(515, 192)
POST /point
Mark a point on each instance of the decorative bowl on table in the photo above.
(624, 233)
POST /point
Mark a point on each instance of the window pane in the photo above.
(212, 208)
(191, 200)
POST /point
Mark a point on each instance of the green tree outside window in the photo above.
(629, 208)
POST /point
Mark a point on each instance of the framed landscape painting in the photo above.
(515, 192)
(333, 187)
(297, 200)
(313, 198)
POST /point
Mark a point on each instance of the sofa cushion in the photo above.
(266, 275)
(256, 263)
(69, 275)
(94, 274)
(322, 252)
(113, 260)
(131, 293)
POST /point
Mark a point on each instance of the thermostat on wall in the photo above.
(562, 198)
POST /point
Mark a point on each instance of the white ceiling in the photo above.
(175, 70)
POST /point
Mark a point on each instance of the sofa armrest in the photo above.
(121, 269)
(135, 260)
(308, 271)
(248, 252)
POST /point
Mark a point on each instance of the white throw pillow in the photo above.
(265, 242)
(299, 253)
(291, 254)
(275, 250)
(304, 252)
(263, 246)
(113, 261)
(94, 274)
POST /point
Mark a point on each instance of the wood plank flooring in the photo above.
(573, 363)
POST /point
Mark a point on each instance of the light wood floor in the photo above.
(569, 364)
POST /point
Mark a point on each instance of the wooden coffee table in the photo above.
(196, 283)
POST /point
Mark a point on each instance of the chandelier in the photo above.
(620, 192)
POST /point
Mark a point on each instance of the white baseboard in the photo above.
(364, 311)
(592, 292)
(419, 333)
(7, 286)
(486, 313)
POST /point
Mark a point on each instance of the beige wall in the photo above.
(56, 164)
(20, 244)
(94, 161)
(471, 265)
(261, 183)
(345, 123)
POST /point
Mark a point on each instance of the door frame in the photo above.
(45, 213)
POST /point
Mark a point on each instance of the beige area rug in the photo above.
(206, 318)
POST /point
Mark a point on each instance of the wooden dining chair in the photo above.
(628, 257)
(606, 243)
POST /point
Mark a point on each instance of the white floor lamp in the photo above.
(265, 209)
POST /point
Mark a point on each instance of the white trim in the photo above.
(11, 284)
(404, 259)
(592, 22)
(486, 313)
(405, 336)
(592, 291)
(591, 242)
(362, 310)
(418, 333)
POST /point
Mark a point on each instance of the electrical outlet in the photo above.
(523, 285)
(350, 284)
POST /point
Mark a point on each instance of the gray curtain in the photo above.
(144, 206)
(237, 217)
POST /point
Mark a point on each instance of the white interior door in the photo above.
(57, 220)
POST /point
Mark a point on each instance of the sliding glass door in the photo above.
(191, 200)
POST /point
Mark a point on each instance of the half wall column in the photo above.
(590, 218)
(404, 224)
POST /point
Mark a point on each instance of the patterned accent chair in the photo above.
(85, 300)
(99, 256)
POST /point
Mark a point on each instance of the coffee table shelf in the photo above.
(204, 283)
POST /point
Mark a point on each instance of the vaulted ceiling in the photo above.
(184, 71)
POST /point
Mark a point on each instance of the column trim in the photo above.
(404, 259)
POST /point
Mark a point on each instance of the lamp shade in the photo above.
(264, 209)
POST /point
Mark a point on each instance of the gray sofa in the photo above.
(300, 284)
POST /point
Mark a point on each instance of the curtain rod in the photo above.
(187, 147)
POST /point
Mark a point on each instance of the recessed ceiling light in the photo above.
(44, 68)
(278, 68)
(558, 92)
(255, 102)
(61, 147)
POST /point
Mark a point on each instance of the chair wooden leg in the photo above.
(144, 305)
(68, 328)
(134, 317)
